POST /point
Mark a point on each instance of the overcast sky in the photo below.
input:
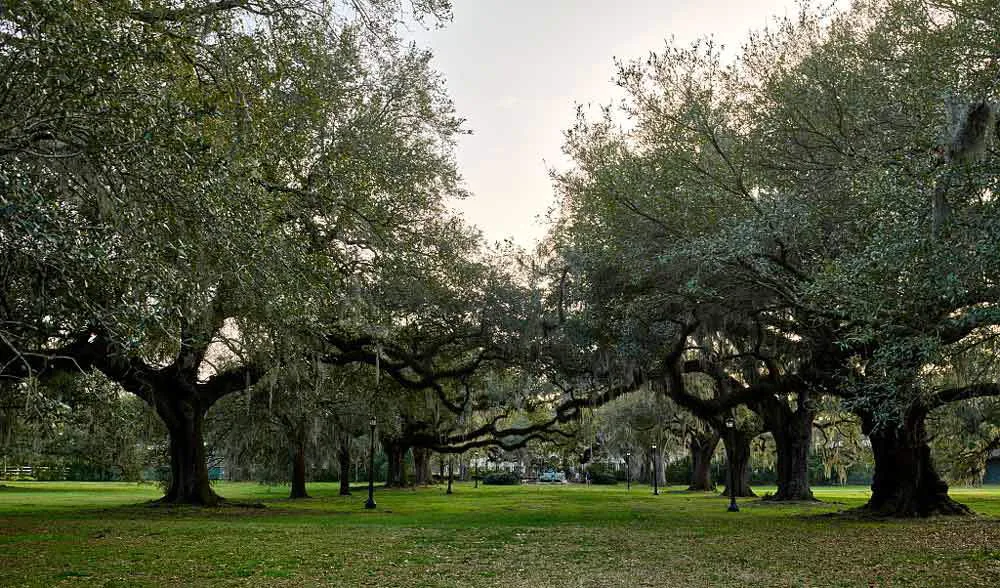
(516, 68)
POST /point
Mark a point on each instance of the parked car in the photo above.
(550, 476)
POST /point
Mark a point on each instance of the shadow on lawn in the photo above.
(27, 490)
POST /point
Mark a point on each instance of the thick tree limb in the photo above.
(948, 395)
(193, 12)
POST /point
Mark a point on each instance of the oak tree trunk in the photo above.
(702, 447)
(184, 417)
(906, 483)
(792, 432)
(344, 460)
(299, 470)
(792, 449)
(396, 473)
(421, 466)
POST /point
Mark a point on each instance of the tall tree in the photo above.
(819, 192)
(178, 180)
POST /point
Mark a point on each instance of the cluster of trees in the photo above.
(814, 221)
(194, 193)
(243, 204)
(204, 198)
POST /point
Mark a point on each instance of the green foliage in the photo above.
(602, 474)
(502, 479)
(964, 436)
(81, 428)
(773, 213)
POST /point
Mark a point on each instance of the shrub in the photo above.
(502, 479)
(603, 478)
(602, 475)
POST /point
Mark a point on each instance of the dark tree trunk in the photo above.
(792, 432)
(738, 458)
(396, 474)
(184, 418)
(299, 470)
(905, 483)
(344, 460)
(421, 466)
(792, 448)
(702, 448)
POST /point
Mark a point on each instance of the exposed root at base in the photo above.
(867, 513)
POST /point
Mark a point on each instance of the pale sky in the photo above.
(516, 69)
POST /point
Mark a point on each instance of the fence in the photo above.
(33, 472)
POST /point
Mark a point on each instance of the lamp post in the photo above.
(656, 476)
(370, 504)
(451, 473)
(731, 428)
(628, 471)
(477, 471)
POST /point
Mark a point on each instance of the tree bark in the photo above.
(906, 483)
(344, 461)
(792, 432)
(702, 447)
(184, 418)
(396, 474)
(421, 466)
(299, 470)
(738, 458)
(792, 448)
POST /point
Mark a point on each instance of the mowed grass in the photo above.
(89, 534)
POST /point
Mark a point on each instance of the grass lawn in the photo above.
(95, 534)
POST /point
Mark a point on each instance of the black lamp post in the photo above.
(628, 471)
(451, 473)
(731, 427)
(371, 468)
(477, 472)
(656, 472)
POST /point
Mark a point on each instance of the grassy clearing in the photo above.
(91, 534)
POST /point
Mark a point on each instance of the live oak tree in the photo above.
(821, 203)
(626, 228)
(638, 421)
(907, 290)
(301, 416)
(187, 184)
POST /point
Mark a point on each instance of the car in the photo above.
(550, 476)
